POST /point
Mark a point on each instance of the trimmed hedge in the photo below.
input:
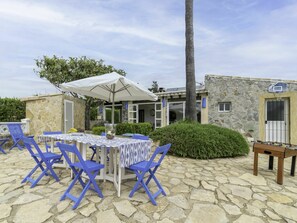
(144, 128)
(201, 141)
(12, 110)
(98, 130)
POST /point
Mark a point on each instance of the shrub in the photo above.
(144, 128)
(201, 141)
(12, 110)
(98, 130)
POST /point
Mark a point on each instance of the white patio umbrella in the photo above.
(110, 87)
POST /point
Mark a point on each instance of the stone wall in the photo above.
(46, 113)
(243, 93)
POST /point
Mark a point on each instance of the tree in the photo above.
(155, 87)
(190, 64)
(59, 70)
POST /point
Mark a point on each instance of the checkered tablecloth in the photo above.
(131, 150)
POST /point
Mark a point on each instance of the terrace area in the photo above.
(217, 190)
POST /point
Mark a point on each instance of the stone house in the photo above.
(263, 108)
(54, 112)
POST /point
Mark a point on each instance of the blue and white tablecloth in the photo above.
(131, 150)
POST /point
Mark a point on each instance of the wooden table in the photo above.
(272, 151)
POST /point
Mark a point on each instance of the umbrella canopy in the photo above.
(110, 87)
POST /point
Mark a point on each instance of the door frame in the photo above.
(286, 118)
(72, 118)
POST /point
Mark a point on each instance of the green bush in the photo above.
(201, 141)
(98, 130)
(12, 110)
(144, 128)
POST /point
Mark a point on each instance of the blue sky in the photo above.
(253, 38)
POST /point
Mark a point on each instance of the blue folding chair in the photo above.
(46, 158)
(47, 146)
(150, 167)
(94, 148)
(2, 142)
(17, 134)
(91, 169)
(138, 136)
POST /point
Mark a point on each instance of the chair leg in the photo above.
(92, 180)
(50, 168)
(81, 195)
(77, 176)
(30, 174)
(39, 178)
(158, 184)
(137, 185)
(151, 197)
(14, 145)
(2, 150)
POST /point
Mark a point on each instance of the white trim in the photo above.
(174, 102)
(132, 119)
(72, 107)
(224, 103)
(156, 111)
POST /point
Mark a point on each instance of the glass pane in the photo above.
(221, 106)
(175, 112)
(198, 110)
(227, 106)
(158, 106)
(158, 114)
(275, 110)
(158, 123)
(134, 115)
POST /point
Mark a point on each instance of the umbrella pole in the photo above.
(112, 108)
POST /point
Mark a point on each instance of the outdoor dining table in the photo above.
(123, 153)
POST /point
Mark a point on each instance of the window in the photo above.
(224, 106)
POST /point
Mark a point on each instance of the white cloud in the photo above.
(146, 38)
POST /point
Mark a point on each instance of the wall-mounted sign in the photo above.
(278, 87)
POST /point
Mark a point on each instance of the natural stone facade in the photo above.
(46, 113)
(243, 93)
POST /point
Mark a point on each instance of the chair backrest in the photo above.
(52, 133)
(142, 137)
(66, 149)
(159, 150)
(31, 145)
(15, 131)
(47, 146)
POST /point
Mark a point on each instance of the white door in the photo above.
(133, 113)
(68, 115)
(158, 115)
(277, 120)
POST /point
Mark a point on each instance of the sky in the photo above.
(250, 38)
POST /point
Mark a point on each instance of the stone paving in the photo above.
(219, 190)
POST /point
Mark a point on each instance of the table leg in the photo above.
(52, 145)
(103, 162)
(280, 170)
(255, 163)
(119, 180)
(115, 167)
(293, 165)
(270, 165)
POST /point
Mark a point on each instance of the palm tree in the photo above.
(190, 64)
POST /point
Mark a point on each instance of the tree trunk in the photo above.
(191, 113)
